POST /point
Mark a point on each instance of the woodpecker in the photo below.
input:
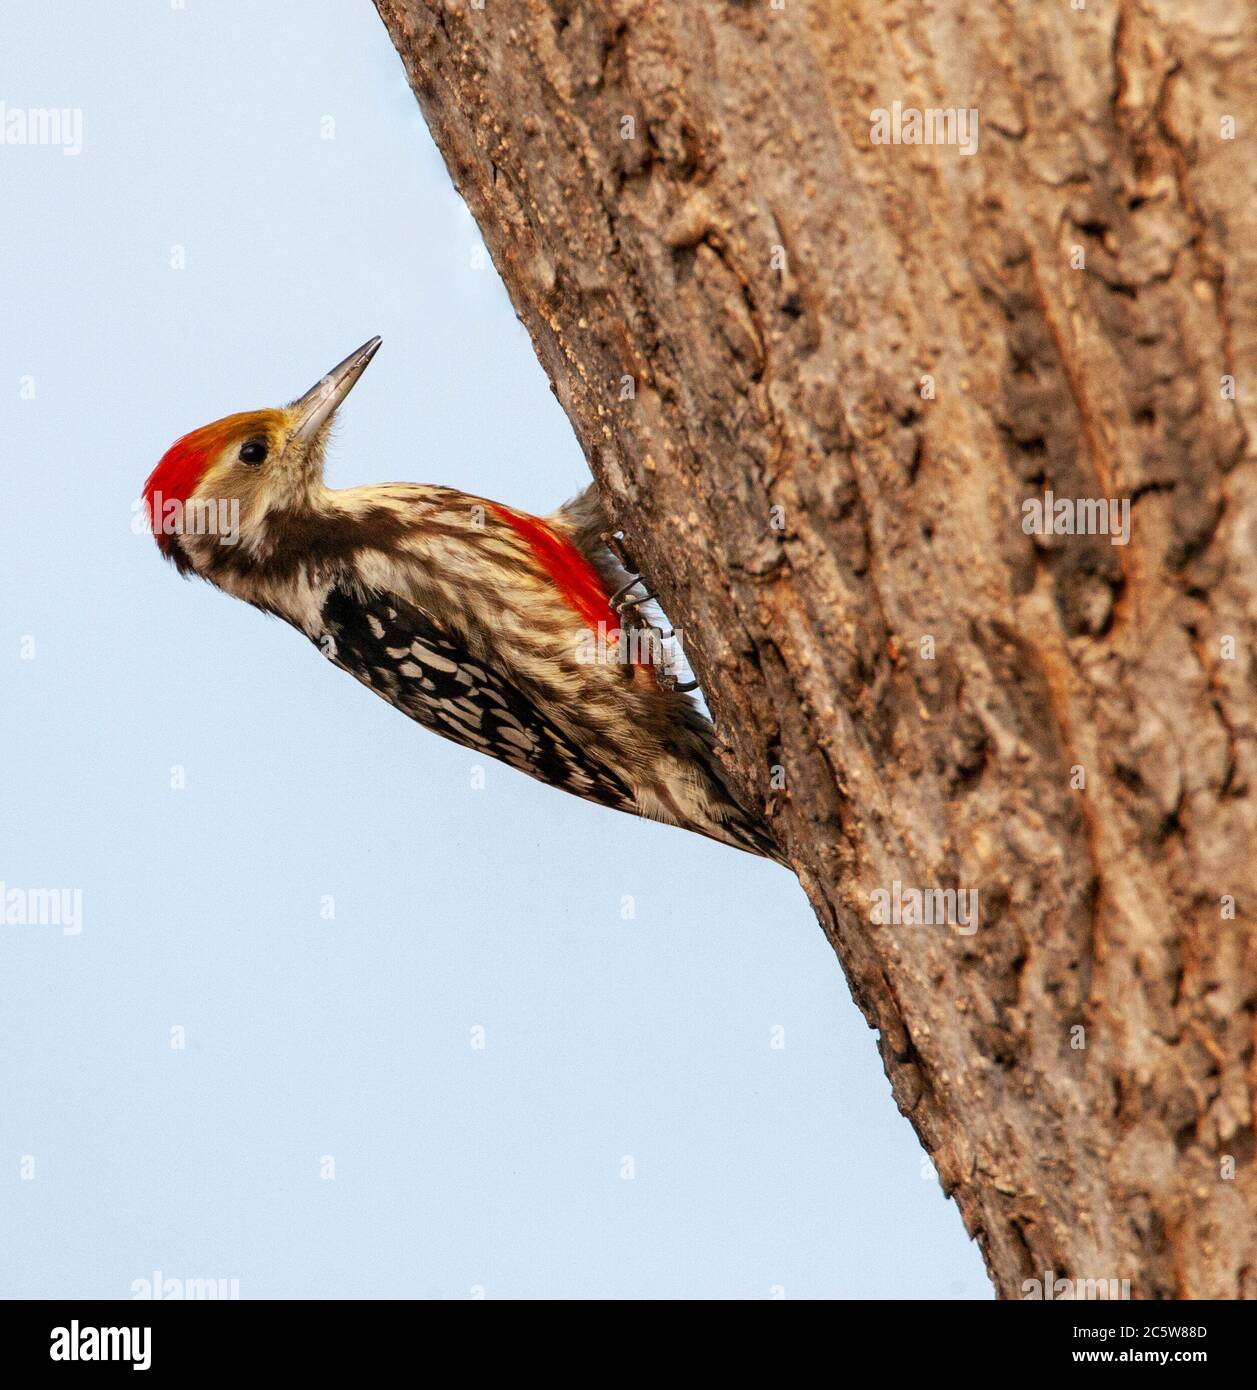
(494, 628)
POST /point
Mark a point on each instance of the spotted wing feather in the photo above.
(401, 653)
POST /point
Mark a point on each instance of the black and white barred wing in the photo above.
(405, 656)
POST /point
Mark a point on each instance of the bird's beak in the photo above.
(319, 403)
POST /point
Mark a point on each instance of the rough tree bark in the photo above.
(688, 196)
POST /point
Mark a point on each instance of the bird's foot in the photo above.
(671, 683)
(620, 601)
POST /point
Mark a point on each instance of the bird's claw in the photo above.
(620, 601)
(622, 604)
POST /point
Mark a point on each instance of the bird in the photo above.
(500, 630)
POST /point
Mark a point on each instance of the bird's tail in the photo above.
(719, 813)
(704, 801)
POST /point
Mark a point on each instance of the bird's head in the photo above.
(219, 484)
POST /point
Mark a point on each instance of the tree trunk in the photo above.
(819, 377)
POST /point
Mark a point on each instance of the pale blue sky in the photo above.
(455, 908)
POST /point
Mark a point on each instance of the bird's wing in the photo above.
(404, 655)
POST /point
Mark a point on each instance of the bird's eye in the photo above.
(253, 451)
